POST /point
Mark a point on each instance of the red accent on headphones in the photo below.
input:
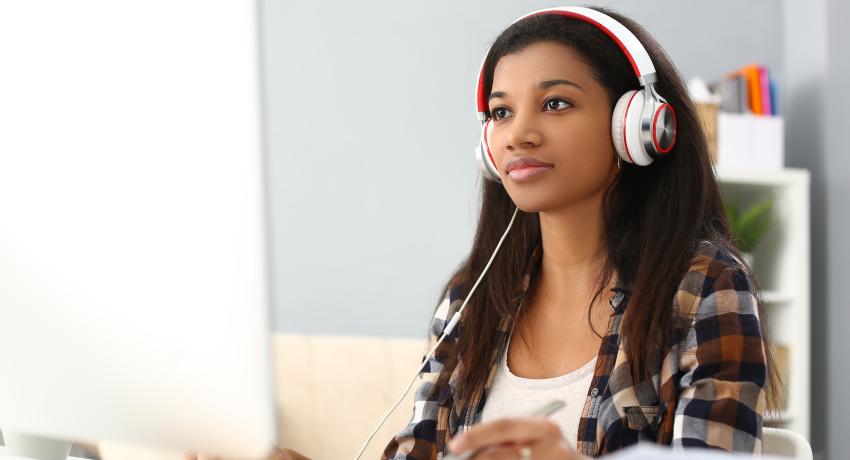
(625, 114)
(655, 137)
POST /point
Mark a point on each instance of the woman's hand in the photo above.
(276, 454)
(504, 438)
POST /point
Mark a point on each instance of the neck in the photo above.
(573, 252)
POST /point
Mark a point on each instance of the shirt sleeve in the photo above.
(417, 440)
(723, 369)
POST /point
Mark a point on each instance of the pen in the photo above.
(546, 410)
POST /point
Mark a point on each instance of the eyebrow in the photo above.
(545, 84)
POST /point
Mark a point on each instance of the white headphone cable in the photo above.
(448, 329)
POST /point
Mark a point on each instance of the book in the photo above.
(764, 90)
(751, 74)
(749, 90)
(774, 100)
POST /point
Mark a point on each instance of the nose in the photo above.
(521, 133)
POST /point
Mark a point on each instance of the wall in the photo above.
(816, 65)
(372, 130)
(832, 366)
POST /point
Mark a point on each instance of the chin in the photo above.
(545, 199)
(529, 204)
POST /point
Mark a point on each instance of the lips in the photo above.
(525, 162)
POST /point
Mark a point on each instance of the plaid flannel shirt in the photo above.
(707, 387)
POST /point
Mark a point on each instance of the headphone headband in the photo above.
(623, 37)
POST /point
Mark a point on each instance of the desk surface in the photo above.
(3, 453)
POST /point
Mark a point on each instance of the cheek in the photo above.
(586, 138)
(494, 141)
(488, 133)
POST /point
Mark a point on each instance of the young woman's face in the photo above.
(546, 105)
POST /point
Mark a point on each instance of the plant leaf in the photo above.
(754, 223)
(730, 208)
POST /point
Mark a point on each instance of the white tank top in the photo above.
(511, 395)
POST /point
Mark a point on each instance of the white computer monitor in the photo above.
(134, 260)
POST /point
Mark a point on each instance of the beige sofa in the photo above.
(331, 393)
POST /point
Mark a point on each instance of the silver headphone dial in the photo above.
(664, 129)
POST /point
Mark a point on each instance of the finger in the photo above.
(519, 430)
(280, 454)
(506, 451)
(290, 454)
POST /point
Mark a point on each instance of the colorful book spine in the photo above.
(764, 91)
(751, 89)
(751, 73)
(774, 95)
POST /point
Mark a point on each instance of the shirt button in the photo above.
(594, 392)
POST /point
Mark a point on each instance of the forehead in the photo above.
(541, 61)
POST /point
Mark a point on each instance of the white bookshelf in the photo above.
(782, 265)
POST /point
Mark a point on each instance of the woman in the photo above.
(618, 288)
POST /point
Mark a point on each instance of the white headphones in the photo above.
(643, 124)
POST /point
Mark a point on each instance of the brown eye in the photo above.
(557, 104)
(499, 112)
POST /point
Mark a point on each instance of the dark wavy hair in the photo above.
(653, 216)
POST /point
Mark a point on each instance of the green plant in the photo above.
(749, 226)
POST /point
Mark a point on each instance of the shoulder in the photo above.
(711, 258)
(717, 274)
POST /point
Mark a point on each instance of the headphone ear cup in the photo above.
(483, 155)
(625, 128)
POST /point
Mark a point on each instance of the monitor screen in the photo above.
(134, 270)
